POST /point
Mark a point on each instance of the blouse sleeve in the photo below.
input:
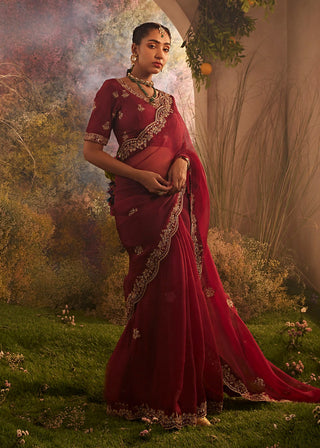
(102, 115)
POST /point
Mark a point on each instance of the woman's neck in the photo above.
(141, 75)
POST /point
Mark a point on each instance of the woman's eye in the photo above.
(166, 50)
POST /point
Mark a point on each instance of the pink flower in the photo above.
(144, 433)
(308, 329)
(146, 420)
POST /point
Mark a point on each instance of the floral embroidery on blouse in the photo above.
(106, 126)
(120, 114)
(209, 292)
(94, 106)
(138, 250)
(136, 333)
(140, 108)
(125, 136)
(125, 94)
(115, 94)
(132, 211)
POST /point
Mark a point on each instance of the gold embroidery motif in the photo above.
(96, 138)
(106, 126)
(120, 114)
(132, 211)
(125, 94)
(174, 420)
(94, 106)
(197, 245)
(125, 136)
(136, 333)
(209, 292)
(115, 94)
(236, 385)
(140, 108)
(138, 250)
(230, 303)
(154, 259)
(141, 142)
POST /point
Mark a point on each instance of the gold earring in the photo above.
(133, 58)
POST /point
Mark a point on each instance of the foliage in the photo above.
(217, 31)
(39, 140)
(112, 305)
(256, 283)
(24, 236)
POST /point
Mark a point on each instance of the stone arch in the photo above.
(181, 13)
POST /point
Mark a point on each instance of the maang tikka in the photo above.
(162, 31)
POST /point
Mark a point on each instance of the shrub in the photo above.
(112, 304)
(255, 282)
(24, 236)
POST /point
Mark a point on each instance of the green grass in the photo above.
(71, 362)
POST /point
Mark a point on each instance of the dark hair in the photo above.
(143, 30)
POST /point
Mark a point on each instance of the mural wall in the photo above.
(58, 243)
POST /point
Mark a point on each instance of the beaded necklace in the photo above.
(139, 81)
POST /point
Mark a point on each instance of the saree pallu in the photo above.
(184, 344)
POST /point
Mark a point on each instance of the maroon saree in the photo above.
(184, 343)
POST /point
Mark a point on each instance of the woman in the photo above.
(184, 343)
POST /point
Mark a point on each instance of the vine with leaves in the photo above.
(216, 33)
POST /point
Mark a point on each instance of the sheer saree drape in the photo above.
(184, 343)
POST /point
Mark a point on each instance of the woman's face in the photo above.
(152, 52)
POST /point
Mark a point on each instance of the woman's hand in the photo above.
(153, 182)
(177, 175)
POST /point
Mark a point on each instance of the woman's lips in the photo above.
(157, 64)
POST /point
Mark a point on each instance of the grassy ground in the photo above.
(58, 398)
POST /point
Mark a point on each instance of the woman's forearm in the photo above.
(93, 153)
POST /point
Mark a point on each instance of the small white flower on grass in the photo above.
(289, 417)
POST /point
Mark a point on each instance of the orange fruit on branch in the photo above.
(205, 68)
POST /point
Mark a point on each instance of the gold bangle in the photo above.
(186, 159)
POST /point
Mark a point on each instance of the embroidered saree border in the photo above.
(236, 385)
(141, 141)
(96, 138)
(198, 250)
(174, 420)
(154, 259)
